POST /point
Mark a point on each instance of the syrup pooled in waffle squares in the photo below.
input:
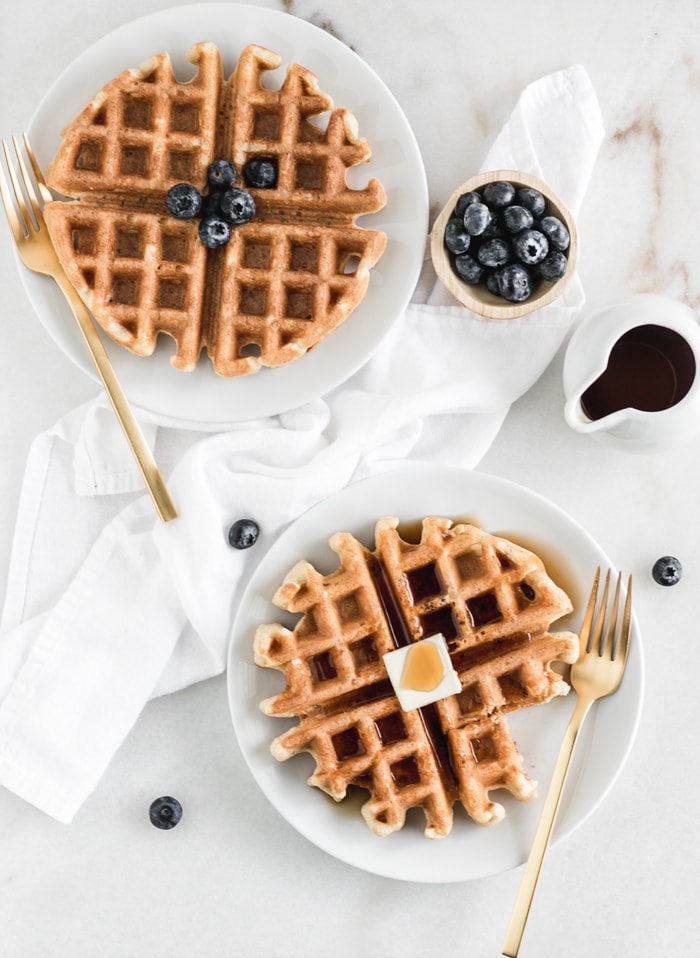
(493, 602)
(284, 281)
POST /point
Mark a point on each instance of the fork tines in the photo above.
(19, 197)
(605, 640)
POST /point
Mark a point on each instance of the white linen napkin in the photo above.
(107, 607)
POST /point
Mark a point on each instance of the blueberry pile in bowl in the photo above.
(504, 245)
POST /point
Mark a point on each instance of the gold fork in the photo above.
(597, 673)
(37, 252)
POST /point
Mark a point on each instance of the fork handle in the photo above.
(125, 416)
(544, 829)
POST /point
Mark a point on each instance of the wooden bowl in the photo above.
(478, 298)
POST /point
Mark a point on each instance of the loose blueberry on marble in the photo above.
(468, 269)
(531, 199)
(667, 571)
(260, 173)
(499, 194)
(494, 253)
(514, 282)
(555, 231)
(552, 267)
(165, 812)
(237, 206)
(221, 175)
(531, 246)
(476, 218)
(214, 232)
(456, 237)
(183, 201)
(243, 534)
(517, 218)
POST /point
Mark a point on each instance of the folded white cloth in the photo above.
(106, 607)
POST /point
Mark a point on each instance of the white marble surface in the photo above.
(233, 878)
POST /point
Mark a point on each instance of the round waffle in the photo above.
(284, 281)
(491, 600)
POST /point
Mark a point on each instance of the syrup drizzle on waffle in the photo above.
(402, 636)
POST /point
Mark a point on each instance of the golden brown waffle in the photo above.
(286, 279)
(492, 601)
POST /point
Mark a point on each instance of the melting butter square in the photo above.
(424, 685)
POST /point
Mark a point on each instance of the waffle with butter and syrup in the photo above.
(493, 603)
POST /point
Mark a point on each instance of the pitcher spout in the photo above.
(578, 420)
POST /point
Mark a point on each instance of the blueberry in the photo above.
(477, 217)
(237, 206)
(492, 284)
(261, 173)
(165, 812)
(555, 231)
(517, 218)
(243, 534)
(465, 200)
(456, 237)
(667, 571)
(498, 195)
(183, 201)
(495, 228)
(514, 283)
(494, 253)
(531, 199)
(531, 246)
(211, 204)
(214, 232)
(221, 175)
(552, 267)
(468, 269)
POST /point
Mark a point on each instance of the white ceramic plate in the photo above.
(470, 851)
(201, 399)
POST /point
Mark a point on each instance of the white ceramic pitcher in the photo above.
(632, 374)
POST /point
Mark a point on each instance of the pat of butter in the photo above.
(421, 673)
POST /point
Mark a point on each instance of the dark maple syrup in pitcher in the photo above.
(650, 368)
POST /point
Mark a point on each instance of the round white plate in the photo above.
(201, 399)
(469, 851)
